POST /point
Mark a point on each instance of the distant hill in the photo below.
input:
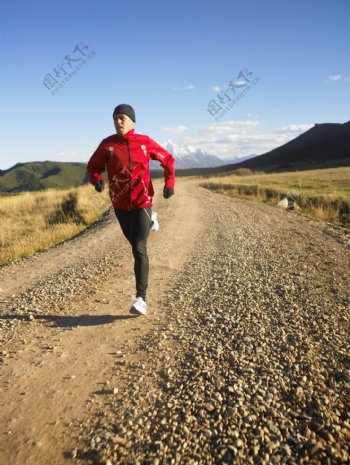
(35, 176)
(324, 145)
(41, 175)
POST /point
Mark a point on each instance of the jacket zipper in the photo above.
(127, 143)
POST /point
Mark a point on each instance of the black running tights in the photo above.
(135, 225)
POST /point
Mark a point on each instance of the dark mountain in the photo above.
(324, 145)
(42, 175)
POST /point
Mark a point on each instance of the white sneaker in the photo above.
(139, 307)
(155, 223)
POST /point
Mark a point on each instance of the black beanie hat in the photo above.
(124, 109)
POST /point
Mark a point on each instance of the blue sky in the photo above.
(169, 59)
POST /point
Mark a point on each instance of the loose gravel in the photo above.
(251, 364)
(53, 293)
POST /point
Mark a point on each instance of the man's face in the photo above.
(123, 124)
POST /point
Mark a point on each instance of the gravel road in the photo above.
(244, 358)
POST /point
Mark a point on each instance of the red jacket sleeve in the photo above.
(97, 163)
(157, 152)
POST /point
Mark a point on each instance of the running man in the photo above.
(126, 157)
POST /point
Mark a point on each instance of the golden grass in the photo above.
(33, 221)
(322, 193)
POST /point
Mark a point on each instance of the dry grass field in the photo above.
(33, 221)
(322, 193)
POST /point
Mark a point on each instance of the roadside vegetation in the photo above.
(322, 193)
(33, 221)
(41, 175)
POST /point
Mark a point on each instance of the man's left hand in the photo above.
(167, 192)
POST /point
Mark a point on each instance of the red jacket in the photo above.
(127, 161)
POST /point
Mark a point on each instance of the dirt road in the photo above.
(249, 310)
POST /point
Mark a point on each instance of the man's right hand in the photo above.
(99, 186)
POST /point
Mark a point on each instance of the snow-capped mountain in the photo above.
(232, 161)
(187, 156)
(197, 159)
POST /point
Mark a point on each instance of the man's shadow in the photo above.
(69, 321)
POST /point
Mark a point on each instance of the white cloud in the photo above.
(67, 154)
(239, 83)
(227, 126)
(239, 145)
(72, 156)
(177, 129)
(188, 87)
(179, 149)
(295, 128)
(334, 77)
(233, 139)
(228, 140)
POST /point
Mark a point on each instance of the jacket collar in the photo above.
(127, 135)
